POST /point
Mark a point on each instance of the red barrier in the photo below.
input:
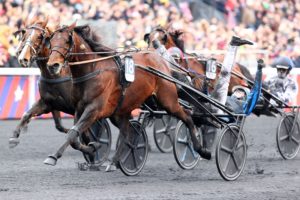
(19, 92)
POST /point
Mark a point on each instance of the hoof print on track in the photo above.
(88, 167)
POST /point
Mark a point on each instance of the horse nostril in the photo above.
(55, 65)
(53, 68)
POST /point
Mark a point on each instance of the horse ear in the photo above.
(169, 26)
(147, 37)
(179, 33)
(33, 20)
(45, 22)
(72, 26)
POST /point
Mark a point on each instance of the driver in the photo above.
(242, 100)
(281, 85)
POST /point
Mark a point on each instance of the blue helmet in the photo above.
(283, 62)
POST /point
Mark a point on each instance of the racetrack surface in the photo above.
(24, 176)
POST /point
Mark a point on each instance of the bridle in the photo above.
(67, 55)
(29, 43)
(157, 29)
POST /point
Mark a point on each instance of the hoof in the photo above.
(95, 145)
(111, 168)
(51, 160)
(13, 142)
(204, 153)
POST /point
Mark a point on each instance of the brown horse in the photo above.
(172, 38)
(54, 90)
(99, 94)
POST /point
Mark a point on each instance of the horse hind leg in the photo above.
(168, 98)
(37, 109)
(124, 135)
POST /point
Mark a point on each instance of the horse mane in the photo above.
(93, 40)
(245, 72)
(175, 37)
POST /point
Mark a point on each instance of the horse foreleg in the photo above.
(87, 118)
(57, 120)
(38, 108)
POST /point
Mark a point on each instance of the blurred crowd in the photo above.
(271, 24)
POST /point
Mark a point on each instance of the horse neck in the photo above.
(169, 44)
(80, 46)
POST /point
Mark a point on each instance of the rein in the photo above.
(104, 58)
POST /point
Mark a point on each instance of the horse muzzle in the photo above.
(55, 68)
(24, 62)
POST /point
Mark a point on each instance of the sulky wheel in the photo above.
(134, 155)
(288, 136)
(231, 152)
(163, 132)
(183, 150)
(100, 132)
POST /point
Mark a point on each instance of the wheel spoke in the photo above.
(134, 159)
(182, 140)
(163, 130)
(235, 162)
(283, 137)
(226, 149)
(241, 144)
(163, 140)
(295, 140)
(195, 155)
(164, 122)
(105, 141)
(170, 138)
(92, 133)
(184, 154)
(139, 146)
(126, 156)
(285, 125)
(226, 163)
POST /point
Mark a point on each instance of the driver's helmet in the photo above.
(240, 92)
(283, 62)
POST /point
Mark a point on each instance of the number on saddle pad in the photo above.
(129, 68)
(211, 68)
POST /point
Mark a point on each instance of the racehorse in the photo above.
(54, 91)
(99, 93)
(172, 38)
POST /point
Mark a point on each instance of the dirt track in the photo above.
(24, 176)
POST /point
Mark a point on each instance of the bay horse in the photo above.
(54, 91)
(99, 93)
(172, 38)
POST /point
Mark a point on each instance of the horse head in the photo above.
(31, 42)
(61, 44)
(167, 36)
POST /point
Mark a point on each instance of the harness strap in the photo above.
(86, 77)
(123, 86)
(55, 81)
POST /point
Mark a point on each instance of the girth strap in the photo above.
(55, 81)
